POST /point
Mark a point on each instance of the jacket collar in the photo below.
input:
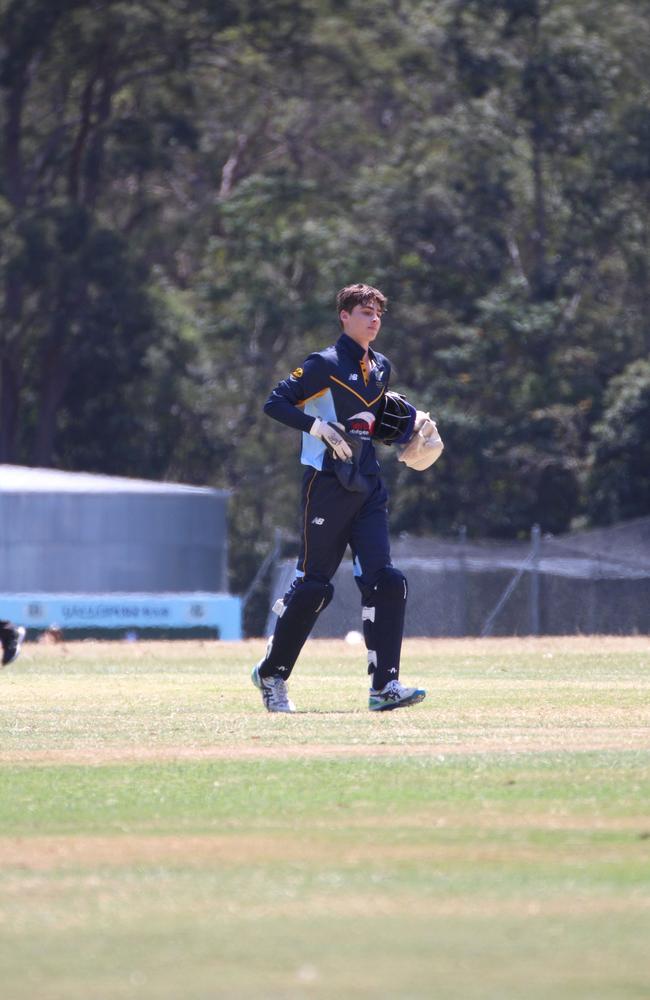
(350, 347)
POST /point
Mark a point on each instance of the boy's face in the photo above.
(362, 323)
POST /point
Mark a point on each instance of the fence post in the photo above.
(535, 540)
(269, 560)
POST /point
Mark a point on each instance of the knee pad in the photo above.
(389, 590)
(297, 612)
(390, 584)
(382, 617)
(305, 597)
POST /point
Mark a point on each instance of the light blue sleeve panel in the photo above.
(313, 449)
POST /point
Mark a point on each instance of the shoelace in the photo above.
(279, 694)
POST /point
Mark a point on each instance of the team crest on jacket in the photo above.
(361, 425)
(297, 373)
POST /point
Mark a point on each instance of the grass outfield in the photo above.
(161, 836)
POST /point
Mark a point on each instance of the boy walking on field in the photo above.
(339, 400)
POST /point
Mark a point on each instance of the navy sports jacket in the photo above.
(334, 385)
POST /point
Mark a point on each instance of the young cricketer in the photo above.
(339, 399)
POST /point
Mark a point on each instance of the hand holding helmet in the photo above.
(413, 431)
(425, 446)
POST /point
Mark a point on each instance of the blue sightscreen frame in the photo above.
(186, 610)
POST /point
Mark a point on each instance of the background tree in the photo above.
(619, 478)
(185, 185)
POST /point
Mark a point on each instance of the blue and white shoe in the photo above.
(274, 692)
(394, 695)
(11, 637)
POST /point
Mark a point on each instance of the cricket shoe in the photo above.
(274, 692)
(394, 695)
(11, 637)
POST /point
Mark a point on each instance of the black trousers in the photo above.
(333, 518)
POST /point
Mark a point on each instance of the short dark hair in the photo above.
(360, 295)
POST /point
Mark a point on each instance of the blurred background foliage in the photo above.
(185, 185)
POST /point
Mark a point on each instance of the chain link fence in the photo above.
(587, 582)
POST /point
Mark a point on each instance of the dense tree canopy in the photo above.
(184, 186)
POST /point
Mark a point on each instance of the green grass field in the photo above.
(161, 836)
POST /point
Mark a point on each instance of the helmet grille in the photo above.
(395, 420)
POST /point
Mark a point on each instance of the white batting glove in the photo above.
(423, 425)
(425, 446)
(330, 435)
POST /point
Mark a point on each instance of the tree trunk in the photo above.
(539, 235)
(52, 390)
(12, 140)
(13, 299)
(9, 393)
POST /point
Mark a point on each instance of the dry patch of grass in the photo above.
(505, 741)
(319, 847)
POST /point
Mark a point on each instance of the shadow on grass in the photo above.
(328, 711)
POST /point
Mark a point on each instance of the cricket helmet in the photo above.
(395, 419)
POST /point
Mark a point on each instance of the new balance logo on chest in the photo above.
(353, 378)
